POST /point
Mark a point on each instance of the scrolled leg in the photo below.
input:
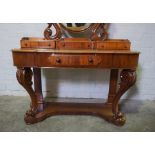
(127, 79)
(24, 77)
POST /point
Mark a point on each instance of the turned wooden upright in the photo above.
(95, 52)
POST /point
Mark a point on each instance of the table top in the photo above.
(76, 51)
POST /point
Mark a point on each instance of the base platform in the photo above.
(102, 110)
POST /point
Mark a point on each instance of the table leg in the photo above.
(38, 86)
(112, 85)
(24, 77)
(127, 79)
(108, 111)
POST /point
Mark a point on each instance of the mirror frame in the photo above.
(98, 31)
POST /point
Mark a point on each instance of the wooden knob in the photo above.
(58, 60)
(90, 60)
(63, 44)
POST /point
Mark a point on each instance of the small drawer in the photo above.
(74, 45)
(37, 44)
(63, 60)
(113, 45)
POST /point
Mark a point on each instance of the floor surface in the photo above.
(140, 116)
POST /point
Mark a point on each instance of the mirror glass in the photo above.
(76, 26)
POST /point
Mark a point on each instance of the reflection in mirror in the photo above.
(76, 26)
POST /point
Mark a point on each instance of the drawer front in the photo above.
(63, 60)
(30, 59)
(23, 59)
(105, 61)
(118, 45)
(37, 44)
(125, 61)
(74, 45)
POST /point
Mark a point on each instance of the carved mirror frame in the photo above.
(98, 31)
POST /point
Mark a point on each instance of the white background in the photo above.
(110, 11)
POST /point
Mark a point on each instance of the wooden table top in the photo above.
(76, 51)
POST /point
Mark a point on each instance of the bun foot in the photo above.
(32, 117)
(119, 119)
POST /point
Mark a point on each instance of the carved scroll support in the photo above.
(99, 32)
(24, 77)
(48, 33)
(127, 79)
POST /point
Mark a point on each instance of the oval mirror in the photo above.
(76, 27)
(97, 31)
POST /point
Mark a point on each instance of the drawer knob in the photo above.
(58, 60)
(90, 60)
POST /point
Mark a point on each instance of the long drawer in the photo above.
(66, 60)
(49, 59)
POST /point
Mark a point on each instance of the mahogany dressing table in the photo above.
(96, 51)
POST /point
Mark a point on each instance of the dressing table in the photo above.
(94, 51)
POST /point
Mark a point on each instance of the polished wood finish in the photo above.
(36, 59)
(24, 77)
(75, 44)
(112, 85)
(61, 108)
(38, 85)
(38, 43)
(95, 52)
(48, 33)
(90, 59)
(113, 44)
